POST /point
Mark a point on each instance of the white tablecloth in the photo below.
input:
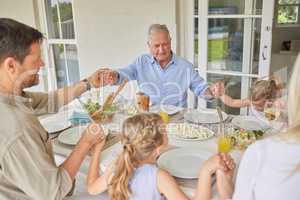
(109, 154)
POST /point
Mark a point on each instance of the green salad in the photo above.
(92, 107)
(241, 139)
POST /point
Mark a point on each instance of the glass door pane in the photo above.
(72, 63)
(66, 17)
(225, 44)
(217, 7)
(255, 44)
(60, 19)
(258, 7)
(196, 41)
(52, 18)
(234, 7)
(226, 41)
(66, 64)
(60, 65)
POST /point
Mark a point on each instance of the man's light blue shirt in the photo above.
(167, 86)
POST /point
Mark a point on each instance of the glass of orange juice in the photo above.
(165, 117)
(224, 140)
(224, 144)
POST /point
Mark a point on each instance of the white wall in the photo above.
(281, 34)
(114, 32)
(19, 10)
(282, 63)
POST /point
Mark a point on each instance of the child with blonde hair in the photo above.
(261, 92)
(135, 174)
(270, 168)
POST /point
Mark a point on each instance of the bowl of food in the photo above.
(99, 114)
(242, 138)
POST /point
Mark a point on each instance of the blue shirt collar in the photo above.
(173, 59)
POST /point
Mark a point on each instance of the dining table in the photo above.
(114, 147)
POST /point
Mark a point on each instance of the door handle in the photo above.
(264, 52)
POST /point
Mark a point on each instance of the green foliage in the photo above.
(287, 14)
(217, 49)
(288, 1)
(65, 10)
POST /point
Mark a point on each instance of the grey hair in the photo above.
(154, 28)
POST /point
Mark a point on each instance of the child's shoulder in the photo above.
(147, 168)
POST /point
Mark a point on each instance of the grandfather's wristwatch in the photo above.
(87, 83)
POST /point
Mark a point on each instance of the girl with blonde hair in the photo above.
(135, 175)
(269, 169)
(261, 91)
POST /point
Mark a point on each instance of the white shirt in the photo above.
(267, 171)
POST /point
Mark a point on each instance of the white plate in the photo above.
(56, 122)
(170, 109)
(204, 116)
(183, 162)
(71, 136)
(189, 132)
(249, 123)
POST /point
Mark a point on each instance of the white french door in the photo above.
(232, 43)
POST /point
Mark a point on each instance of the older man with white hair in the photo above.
(164, 76)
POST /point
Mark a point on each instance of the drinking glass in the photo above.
(271, 111)
(224, 140)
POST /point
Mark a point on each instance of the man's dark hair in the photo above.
(16, 39)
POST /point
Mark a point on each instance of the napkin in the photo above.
(79, 118)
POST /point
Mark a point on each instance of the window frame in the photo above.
(201, 66)
(49, 42)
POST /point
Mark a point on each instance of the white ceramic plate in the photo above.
(183, 162)
(190, 132)
(56, 122)
(170, 109)
(204, 116)
(71, 136)
(249, 123)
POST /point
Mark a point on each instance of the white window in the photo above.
(232, 43)
(61, 41)
(288, 12)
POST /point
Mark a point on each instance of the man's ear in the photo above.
(10, 65)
